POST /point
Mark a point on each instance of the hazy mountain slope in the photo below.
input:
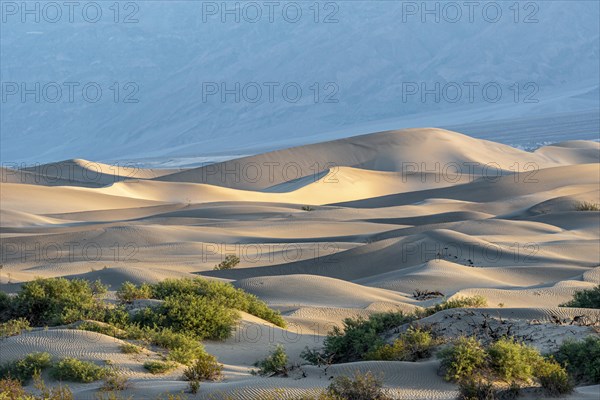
(368, 55)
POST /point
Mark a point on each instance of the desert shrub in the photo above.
(176, 287)
(115, 381)
(476, 389)
(198, 316)
(111, 395)
(363, 387)
(159, 367)
(316, 357)
(587, 206)
(513, 391)
(582, 359)
(589, 298)
(103, 328)
(5, 304)
(461, 359)
(553, 377)
(461, 302)
(58, 301)
(12, 389)
(359, 336)
(420, 294)
(129, 348)
(307, 208)
(182, 348)
(229, 262)
(25, 368)
(513, 360)
(58, 392)
(194, 386)
(134, 331)
(204, 368)
(275, 363)
(169, 396)
(412, 345)
(128, 292)
(14, 327)
(186, 356)
(72, 369)
(220, 292)
(116, 316)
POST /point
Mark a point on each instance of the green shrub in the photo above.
(103, 328)
(589, 298)
(360, 337)
(197, 316)
(414, 344)
(472, 388)
(115, 381)
(14, 327)
(461, 302)
(182, 348)
(25, 368)
(178, 287)
(5, 304)
(159, 367)
(275, 363)
(12, 389)
(512, 360)
(463, 358)
(204, 368)
(587, 206)
(220, 292)
(179, 396)
(363, 387)
(198, 307)
(136, 332)
(229, 262)
(116, 316)
(72, 369)
(129, 348)
(194, 386)
(186, 355)
(553, 377)
(316, 357)
(128, 292)
(172, 340)
(58, 392)
(582, 359)
(59, 301)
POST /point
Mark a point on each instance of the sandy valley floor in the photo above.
(324, 232)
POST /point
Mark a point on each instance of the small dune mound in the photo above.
(83, 345)
(296, 289)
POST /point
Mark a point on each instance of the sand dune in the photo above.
(400, 151)
(293, 290)
(577, 178)
(324, 232)
(25, 198)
